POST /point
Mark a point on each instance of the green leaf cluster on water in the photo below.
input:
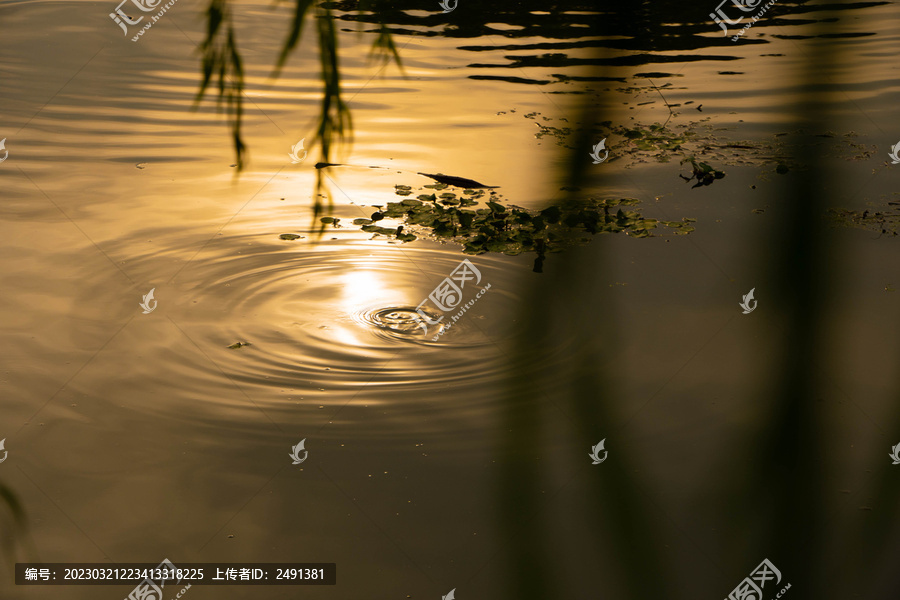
(482, 224)
(654, 138)
(884, 221)
(702, 172)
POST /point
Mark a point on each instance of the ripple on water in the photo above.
(325, 320)
(403, 322)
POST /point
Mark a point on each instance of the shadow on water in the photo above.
(780, 497)
(621, 514)
(786, 453)
(13, 528)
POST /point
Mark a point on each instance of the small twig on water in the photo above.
(664, 100)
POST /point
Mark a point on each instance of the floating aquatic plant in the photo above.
(480, 223)
(702, 172)
(885, 221)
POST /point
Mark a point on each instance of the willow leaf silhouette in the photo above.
(222, 63)
(223, 66)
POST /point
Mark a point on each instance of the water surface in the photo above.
(135, 437)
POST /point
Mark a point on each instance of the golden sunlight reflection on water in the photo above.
(154, 433)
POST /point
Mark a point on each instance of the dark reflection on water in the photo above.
(643, 29)
(570, 34)
(778, 498)
(636, 36)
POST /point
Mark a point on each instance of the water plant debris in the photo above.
(480, 223)
(460, 182)
(702, 172)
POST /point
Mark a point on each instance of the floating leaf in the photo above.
(377, 229)
(457, 181)
(702, 172)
